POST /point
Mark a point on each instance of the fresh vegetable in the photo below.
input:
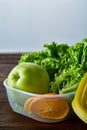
(65, 64)
(79, 103)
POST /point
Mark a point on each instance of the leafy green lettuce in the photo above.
(65, 64)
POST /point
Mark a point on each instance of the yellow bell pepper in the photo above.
(79, 103)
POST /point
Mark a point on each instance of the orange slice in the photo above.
(28, 103)
(32, 99)
(46, 107)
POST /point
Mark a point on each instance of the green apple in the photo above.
(29, 77)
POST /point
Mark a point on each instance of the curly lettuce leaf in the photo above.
(64, 64)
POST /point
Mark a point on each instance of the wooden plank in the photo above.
(9, 58)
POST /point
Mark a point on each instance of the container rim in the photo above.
(34, 94)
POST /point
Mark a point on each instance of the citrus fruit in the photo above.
(49, 107)
(32, 99)
(28, 103)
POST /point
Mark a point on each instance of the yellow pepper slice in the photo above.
(79, 103)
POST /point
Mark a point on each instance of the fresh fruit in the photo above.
(79, 103)
(29, 77)
(31, 99)
(47, 106)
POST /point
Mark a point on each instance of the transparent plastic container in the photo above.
(17, 99)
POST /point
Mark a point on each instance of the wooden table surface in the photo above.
(10, 120)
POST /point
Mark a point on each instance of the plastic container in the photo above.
(17, 99)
